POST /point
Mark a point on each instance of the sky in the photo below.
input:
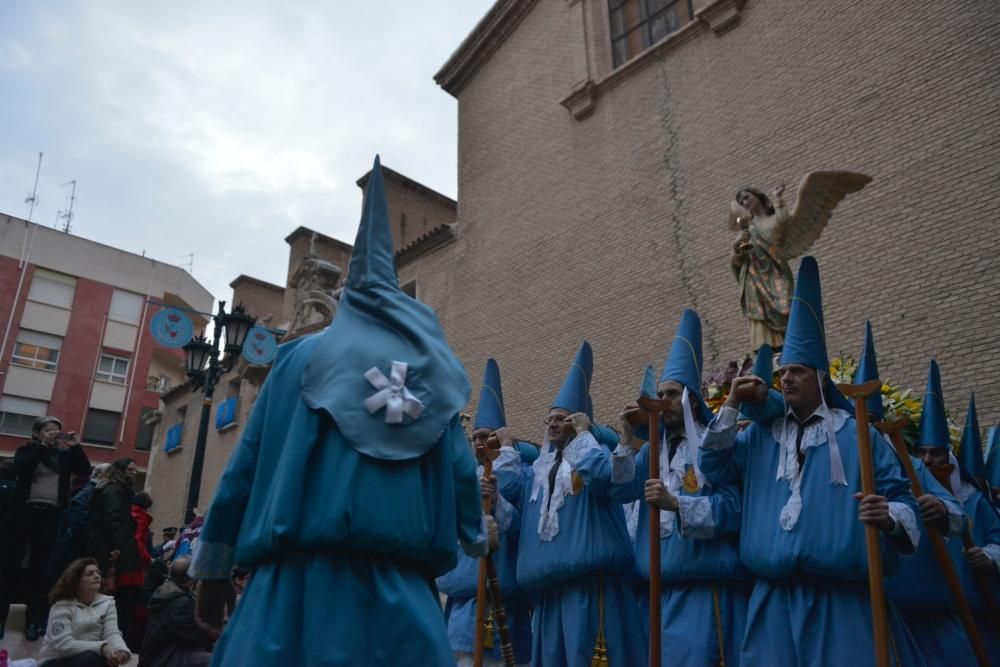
(217, 128)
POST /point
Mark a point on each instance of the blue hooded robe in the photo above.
(917, 588)
(704, 588)
(800, 532)
(574, 548)
(351, 485)
(460, 585)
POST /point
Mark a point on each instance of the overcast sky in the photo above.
(219, 127)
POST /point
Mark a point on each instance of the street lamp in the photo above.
(204, 368)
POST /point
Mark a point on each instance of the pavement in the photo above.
(17, 647)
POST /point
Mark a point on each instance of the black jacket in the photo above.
(66, 462)
(171, 627)
(111, 527)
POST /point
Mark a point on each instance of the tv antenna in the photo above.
(33, 197)
(189, 264)
(68, 214)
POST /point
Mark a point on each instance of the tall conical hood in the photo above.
(970, 452)
(575, 393)
(383, 369)
(933, 422)
(868, 370)
(763, 367)
(490, 413)
(805, 336)
(993, 458)
(648, 388)
(372, 260)
(684, 363)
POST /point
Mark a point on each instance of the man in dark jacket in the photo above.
(43, 467)
(8, 489)
(173, 637)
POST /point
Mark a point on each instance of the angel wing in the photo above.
(819, 193)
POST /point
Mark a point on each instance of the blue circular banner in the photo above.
(171, 328)
(259, 347)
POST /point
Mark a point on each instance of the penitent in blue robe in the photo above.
(461, 583)
(577, 570)
(344, 547)
(810, 604)
(704, 586)
(985, 533)
(919, 592)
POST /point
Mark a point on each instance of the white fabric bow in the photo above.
(392, 394)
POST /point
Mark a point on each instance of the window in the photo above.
(18, 415)
(638, 24)
(125, 307)
(144, 438)
(113, 369)
(52, 288)
(36, 350)
(159, 383)
(402, 229)
(101, 427)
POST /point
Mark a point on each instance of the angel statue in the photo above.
(769, 236)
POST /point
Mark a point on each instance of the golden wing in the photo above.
(819, 193)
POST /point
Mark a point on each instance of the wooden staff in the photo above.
(488, 580)
(654, 407)
(894, 430)
(880, 622)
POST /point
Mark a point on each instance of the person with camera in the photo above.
(44, 467)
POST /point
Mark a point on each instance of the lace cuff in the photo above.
(697, 522)
(623, 466)
(721, 433)
(906, 521)
(993, 551)
(503, 513)
(214, 560)
(481, 546)
(509, 459)
(956, 520)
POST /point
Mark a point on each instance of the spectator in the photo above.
(129, 593)
(173, 637)
(169, 535)
(8, 489)
(111, 536)
(71, 538)
(83, 624)
(43, 467)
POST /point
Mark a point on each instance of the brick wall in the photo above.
(606, 228)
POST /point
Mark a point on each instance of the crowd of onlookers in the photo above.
(78, 550)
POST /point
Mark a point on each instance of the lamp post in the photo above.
(204, 368)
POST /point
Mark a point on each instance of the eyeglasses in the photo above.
(560, 421)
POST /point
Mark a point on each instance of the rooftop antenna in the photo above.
(33, 197)
(68, 215)
(189, 263)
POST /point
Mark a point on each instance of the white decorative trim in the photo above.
(903, 515)
(632, 518)
(509, 460)
(548, 515)
(721, 433)
(956, 519)
(697, 519)
(623, 465)
(213, 560)
(963, 490)
(392, 394)
(503, 513)
(993, 551)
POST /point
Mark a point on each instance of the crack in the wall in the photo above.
(675, 184)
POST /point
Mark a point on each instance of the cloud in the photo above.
(217, 128)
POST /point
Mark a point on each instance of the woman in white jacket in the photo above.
(83, 625)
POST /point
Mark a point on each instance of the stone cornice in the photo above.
(432, 240)
(484, 40)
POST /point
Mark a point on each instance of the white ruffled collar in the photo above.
(821, 431)
(548, 516)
